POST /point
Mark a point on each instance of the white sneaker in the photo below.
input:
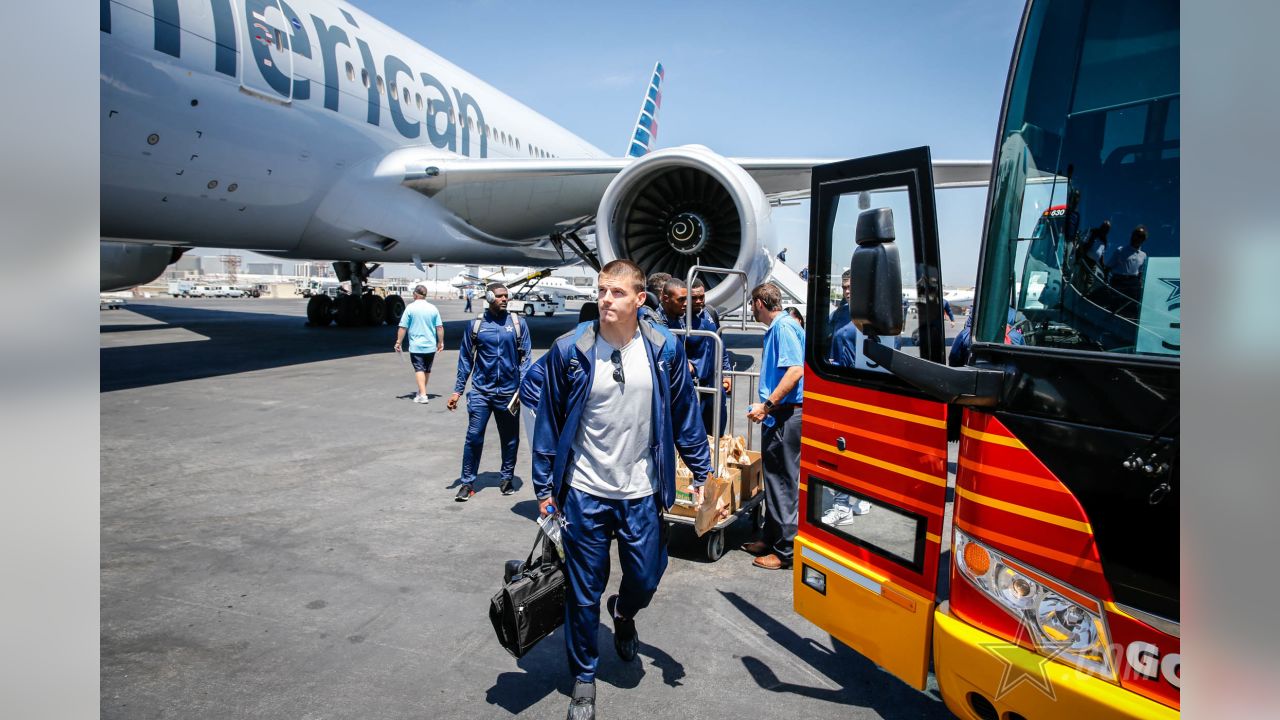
(837, 515)
(421, 399)
(861, 507)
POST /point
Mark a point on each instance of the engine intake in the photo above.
(687, 206)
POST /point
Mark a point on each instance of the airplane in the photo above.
(307, 129)
(479, 277)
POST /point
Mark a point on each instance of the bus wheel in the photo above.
(714, 547)
(528, 310)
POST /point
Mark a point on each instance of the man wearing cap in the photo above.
(421, 322)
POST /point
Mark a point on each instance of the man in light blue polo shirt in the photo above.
(781, 390)
(421, 321)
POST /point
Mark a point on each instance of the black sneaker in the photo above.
(464, 493)
(583, 704)
(506, 486)
(625, 639)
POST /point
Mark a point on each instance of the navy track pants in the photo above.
(479, 408)
(592, 523)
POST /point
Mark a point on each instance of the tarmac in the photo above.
(280, 540)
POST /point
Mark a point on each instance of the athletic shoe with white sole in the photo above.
(838, 515)
(421, 399)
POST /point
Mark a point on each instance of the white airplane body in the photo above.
(307, 129)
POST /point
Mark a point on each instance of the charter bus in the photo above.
(1032, 567)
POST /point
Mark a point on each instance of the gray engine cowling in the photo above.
(126, 265)
(687, 206)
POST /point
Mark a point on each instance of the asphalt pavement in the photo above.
(280, 540)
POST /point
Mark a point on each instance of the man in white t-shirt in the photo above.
(616, 404)
(421, 322)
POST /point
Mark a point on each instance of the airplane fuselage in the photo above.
(249, 124)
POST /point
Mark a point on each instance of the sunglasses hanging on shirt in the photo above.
(618, 376)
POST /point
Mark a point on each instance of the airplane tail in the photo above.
(646, 132)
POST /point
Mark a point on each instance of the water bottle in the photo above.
(551, 526)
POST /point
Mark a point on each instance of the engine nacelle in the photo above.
(687, 206)
(126, 265)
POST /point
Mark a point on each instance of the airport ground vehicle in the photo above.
(1051, 588)
(180, 289)
(530, 303)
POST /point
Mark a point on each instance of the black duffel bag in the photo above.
(530, 605)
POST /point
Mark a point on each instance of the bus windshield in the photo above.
(1082, 246)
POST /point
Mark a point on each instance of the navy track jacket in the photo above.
(677, 420)
(497, 369)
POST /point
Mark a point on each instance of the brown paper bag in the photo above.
(717, 504)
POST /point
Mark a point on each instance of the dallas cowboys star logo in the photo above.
(1175, 294)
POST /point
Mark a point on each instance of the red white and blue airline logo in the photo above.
(647, 124)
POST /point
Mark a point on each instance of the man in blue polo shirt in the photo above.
(421, 322)
(781, 390)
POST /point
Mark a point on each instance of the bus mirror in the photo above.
(875, 275)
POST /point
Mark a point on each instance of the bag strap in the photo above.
(715, 316)
(519, 332)
(475, 337)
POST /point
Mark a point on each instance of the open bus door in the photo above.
(873, 461)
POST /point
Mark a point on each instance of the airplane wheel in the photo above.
(528, 311)
(375, 310)
(714, 547)
(319, 311)
(395, 309)
(349, 311)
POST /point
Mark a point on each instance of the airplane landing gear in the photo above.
(358, 308)
(395, 308)
(375, 309)
(319, 311)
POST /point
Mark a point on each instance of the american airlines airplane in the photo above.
(307, 129)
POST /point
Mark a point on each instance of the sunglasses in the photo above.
(618, 377)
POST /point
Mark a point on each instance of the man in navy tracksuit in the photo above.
(615, 406)
(494, 359)
(702, 354)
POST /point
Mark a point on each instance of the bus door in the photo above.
(873, 460)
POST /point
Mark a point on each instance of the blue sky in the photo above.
(828, 79)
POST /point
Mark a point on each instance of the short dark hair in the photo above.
(768, 294)
(626, 270)
(495, 287)
(673, 283)
(795, 313)
(657, 281)
(420, 291)
(698, 284)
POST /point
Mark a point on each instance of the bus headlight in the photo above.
(1063, 622)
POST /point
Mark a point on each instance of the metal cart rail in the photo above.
(713, 540)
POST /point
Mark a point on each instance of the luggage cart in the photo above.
(713, 540)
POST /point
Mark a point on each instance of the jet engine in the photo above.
(686, 206)
(126, 265)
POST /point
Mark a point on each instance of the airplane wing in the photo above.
(518, 199)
